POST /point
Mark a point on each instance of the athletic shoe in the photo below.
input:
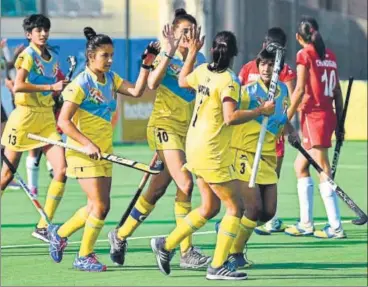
(299, 230)
(163, 257)
(329, 232)
(239, 260)
(194, 259)
(118, 248)
(262, 230)
(88, 263)
(225, 272)
(41, 234)
(13, 185)
(274, 225)
(57, 243)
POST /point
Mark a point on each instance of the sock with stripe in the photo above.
(182, 209)
(191, 223)
(246, 228)
(54, 196)
(91, 231)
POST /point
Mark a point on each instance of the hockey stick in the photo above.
(109, 157)
(73, 64)
(363, 218)
(155, 162)
(280, 51)
(339, 142)
(21, 182)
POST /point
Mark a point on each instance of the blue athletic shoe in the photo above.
(57, 243)
(88, 263)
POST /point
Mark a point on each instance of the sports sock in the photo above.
(305, 193)
(91, 231)
(228, 231)
(182, 209)
(32, 172)
(76, 222)
(246, 228)
(54, 195)
(331, 205)
(191, 223)
(138, 214)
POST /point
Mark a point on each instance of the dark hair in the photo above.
(36, 21)
(275, 34)
(308, 30)
(95, 40)
(224, 48)
(264, 55)
(181, 14)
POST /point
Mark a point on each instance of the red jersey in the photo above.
(249, 73)
(321, 79)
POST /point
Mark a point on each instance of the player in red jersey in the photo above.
(316, 90)
(249, 73)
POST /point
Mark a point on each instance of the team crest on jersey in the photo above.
(95, 96)
(174, 70)
(40, 69)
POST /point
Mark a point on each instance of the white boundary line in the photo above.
(131, 238)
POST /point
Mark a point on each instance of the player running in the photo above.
(166, 133)
(250, 73)
(35, 82)
(316, 91)
(89, 102)
(260, 202)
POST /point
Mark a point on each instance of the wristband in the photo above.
(170, 57)
(146, 67)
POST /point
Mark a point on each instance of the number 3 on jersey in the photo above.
(330, 82)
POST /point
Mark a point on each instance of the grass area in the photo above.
(280, 260)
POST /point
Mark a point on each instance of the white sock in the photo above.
(305, 193)
(49, 166)
(32, 172)
(332, 208)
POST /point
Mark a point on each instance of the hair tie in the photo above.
(223, 43)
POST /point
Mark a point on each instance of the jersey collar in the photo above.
(264, 88)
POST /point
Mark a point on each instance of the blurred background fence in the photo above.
(134, 23)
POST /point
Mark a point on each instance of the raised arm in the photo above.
(137, 89)
(195, 44)
(171, 45)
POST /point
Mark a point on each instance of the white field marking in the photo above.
(131, 238)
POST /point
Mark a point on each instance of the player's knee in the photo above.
(6, 177)
(101, 209)
(210, 210)
(59, 171)
(187, 187)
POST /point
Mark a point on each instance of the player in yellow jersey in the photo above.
(260, 202)
(209, 156)
(89, 102)
(166, 133)
(37, 67)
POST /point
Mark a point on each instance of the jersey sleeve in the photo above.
(73, 93)
(193, 79)
(118, 81)
(243, 74)
(231, 90)
(302, 59)
(24, 61)
(287, 74)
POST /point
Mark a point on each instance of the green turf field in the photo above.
(280, 260)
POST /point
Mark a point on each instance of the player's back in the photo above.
(321, 79)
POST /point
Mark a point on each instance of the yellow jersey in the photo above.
(208, 139)
(97, 103)
(40, 72)
(173, 105)
(245, 136)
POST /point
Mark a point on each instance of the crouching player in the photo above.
(260, 202)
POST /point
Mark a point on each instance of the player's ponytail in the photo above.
(224, 48)
(308, 30)
(95, 40)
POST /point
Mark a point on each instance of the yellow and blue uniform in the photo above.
(245, 136)
(173, 108)
(97, 103)
(208, 140)
(34, 111)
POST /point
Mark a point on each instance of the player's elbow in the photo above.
(182, 82)
(16, 88)
(152, 83)
(62, 123)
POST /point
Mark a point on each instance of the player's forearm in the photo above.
(23, 87)
(71, 131)
(296, 99)
(187, 69)
(140, 84)
(156, 76)
(239, 117)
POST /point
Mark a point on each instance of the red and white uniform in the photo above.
(249, 73)
(318, 119)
